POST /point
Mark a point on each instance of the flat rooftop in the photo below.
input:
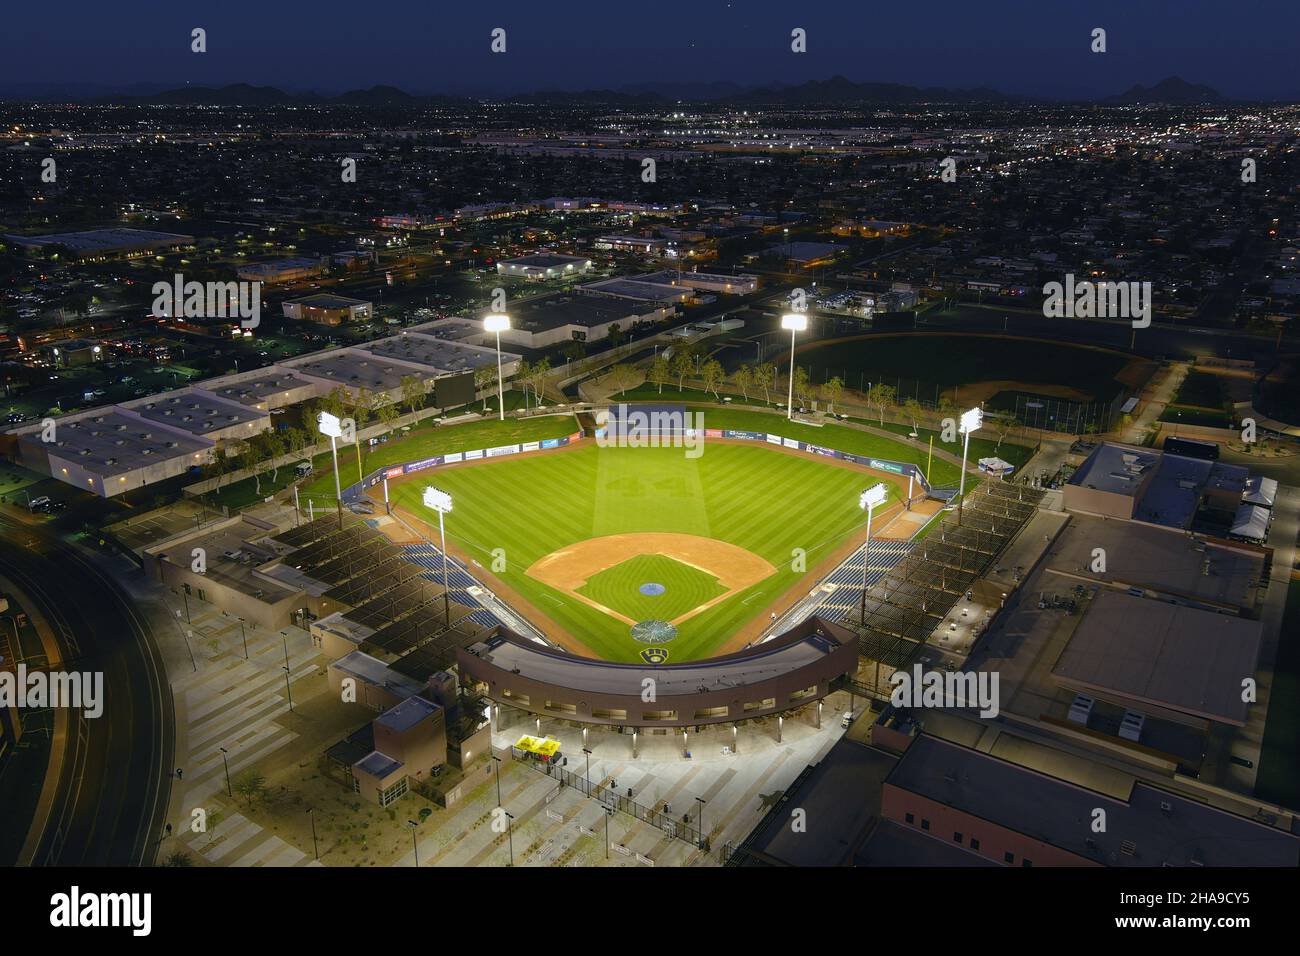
(354, 368)
(1153, 652)
(551, 312)
(435, 354)
(108, 442)
(373, 671)
(104, 240)
(1116, 469)
(1160, 559)
(195, 412)
(238, 572)
(544, 260)
(407, 714)
(260, 389)
(1139, 830)
(579, 673)
(637, 289)
(327, 300)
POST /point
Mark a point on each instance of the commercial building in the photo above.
(537, 323)
(328, 309)
(637, 289)
(98, 245)
(281, 270)
(1012, 815)
(742, 284)
(544, 266)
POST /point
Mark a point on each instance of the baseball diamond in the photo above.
(570, 536)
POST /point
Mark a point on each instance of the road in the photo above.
(111, 798)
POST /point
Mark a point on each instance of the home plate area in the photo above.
(651, 581)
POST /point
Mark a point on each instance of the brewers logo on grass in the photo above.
(654, 655)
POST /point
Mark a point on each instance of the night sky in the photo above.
(1243, 48)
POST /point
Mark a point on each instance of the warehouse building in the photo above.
(543, 266)
(586, 318)
(99, 245)
(328, 309)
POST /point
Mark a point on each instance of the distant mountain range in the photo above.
(836, 91)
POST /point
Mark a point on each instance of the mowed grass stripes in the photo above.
(760, 499)
(619, 588)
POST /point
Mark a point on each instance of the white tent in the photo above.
(1260, 491)
(996, 466)
(1251, 523)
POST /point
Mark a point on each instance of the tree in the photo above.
(660, 372)
(743, 379)
(484, 376)
(250, 785)
(764, 376)
(912, 409)
(801, 384)
(882, 396)
(683, 364)
(537, 375)
(386, 412)
(413, 392)
(1003, 427)
(831, 392)
(621, 377)
(712, 373)
(220, 462)
(616, 335)
(178, 858)
(575, 350)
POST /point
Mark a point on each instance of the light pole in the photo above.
(796, 322)
(315, 847)
(330, 425)
(498, 323)
(609, 812)
(510, 834)
(496, 766)
(588, 775)
(415, 847)
(700, 819)
(440, 502)
(970, 422)
(287, 689)
(229, 790)
(867, 501)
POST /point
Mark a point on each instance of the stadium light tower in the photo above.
(498, 323)
(970, 422)
(330, 425)
(796, 322)
(867, 501)
(440, 502)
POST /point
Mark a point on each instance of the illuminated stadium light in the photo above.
(330, 425)
(796, 322)
(971, 421)
(497, 323)
(867, 501)
(440, 502)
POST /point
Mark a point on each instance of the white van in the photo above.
(302, 469)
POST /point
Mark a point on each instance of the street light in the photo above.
(229, 790)
(867, 501)
(699, 818)
(330, 425)
(440, 502)
(510, 834)
(414, 846)
(496, 766)
(588, 776)
(970, 422)
(498, 323)
(796, 322)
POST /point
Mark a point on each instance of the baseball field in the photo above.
(604, 543)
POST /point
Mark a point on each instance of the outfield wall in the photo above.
(354, 492)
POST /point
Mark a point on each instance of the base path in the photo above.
(572, 566)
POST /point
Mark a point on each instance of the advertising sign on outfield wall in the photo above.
(476, 453)
(500, 450)
(532, 445)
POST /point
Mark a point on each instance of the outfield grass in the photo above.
(832, 436)
(762, 500)
(426, 442)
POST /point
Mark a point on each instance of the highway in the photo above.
(109, 806)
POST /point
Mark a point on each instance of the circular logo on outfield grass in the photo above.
(651, 589)
(653, 632)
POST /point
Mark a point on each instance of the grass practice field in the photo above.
(583, 529)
